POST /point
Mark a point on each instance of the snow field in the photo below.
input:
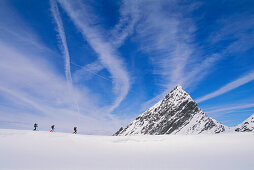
(21, 149)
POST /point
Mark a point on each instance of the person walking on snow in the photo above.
(52, 128)
(75, 130)
(35, 126)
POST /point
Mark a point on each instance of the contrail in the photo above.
(91, 72)
(60, 29)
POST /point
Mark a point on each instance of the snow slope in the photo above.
(177, 113)
(43, 150)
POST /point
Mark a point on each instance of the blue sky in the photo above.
(99, 64)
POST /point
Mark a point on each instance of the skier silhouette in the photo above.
(52, 128)
(35, 126)
(75, 130)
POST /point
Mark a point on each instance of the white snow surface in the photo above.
(22, 149)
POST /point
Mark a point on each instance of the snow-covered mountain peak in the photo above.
(178, 90)
(176, 96)
(176, 113)
(252, 117)
(246, 126)
(178, 87)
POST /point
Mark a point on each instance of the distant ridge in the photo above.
(246, 126)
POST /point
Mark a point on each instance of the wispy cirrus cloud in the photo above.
(169, 38)
(228, 87)
(33, 89)
(166, 35)
(129, 16)
(107, 54)
(14, 31)
(238, 29)
(226, 109)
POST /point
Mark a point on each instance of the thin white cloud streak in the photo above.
(106, 52)
(228, 87)
(88, 70)
(22, 97)
(231, 108)
(64, 47)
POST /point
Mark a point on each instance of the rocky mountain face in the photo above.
(177, 113)
(246, 126)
